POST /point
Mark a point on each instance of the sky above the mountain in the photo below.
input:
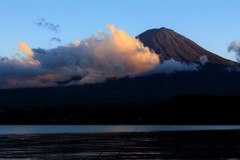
(213, 24)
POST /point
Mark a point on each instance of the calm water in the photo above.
(19, 142)
(46, 129)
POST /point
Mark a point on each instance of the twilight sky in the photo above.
(49, 23)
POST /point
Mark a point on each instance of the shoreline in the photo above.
(110, 129)
(176, 111)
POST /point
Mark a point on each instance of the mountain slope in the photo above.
(169, 44)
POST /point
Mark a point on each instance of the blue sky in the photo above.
(213, 24)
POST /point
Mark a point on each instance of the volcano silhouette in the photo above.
(170, 45)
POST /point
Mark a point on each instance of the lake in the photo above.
(74, 142)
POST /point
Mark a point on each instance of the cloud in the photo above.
(172, 66)
(56, 39)
(17, 73)
(95, 59)
(48, 25)
(23, 47)
(100, 57)
(78, 42)
(203, 60)
(235, 47)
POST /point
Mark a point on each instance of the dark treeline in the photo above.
(183, 109)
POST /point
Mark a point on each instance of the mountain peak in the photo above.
(155, 31)
(169, 44)
(164, 29)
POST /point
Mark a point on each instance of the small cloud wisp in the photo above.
(48, 25)
(235, 47)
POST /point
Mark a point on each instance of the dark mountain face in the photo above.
(169, 44)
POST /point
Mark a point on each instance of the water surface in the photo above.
(47, 129)
(221, 145)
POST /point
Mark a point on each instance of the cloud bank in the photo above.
(95, 59)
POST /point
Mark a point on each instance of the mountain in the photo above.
(183, 97)
(169, 44)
